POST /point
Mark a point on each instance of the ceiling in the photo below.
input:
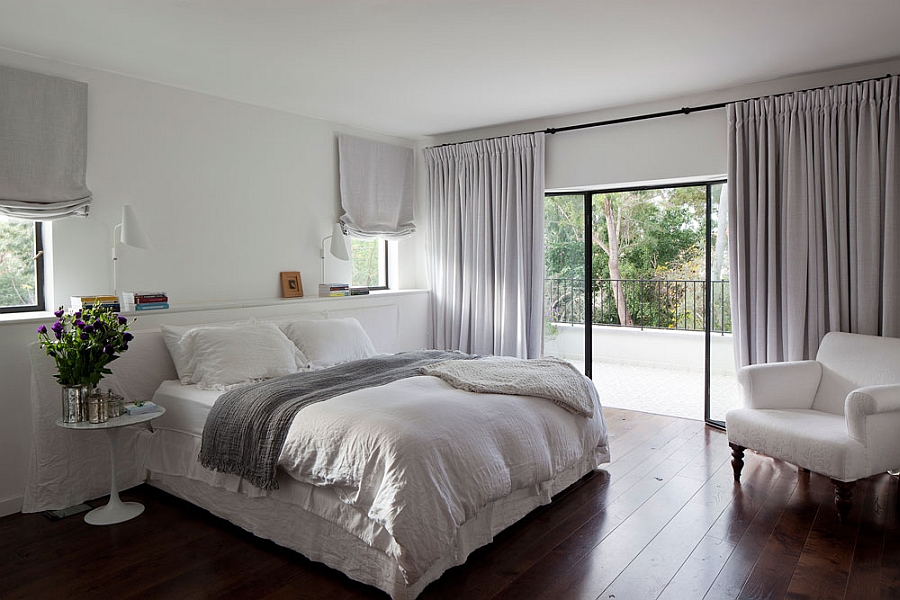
(421, 67)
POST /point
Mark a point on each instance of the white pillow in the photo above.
(223, 357)
(173, 336)
(220, 356)
(330, 342)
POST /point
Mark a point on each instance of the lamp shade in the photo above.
(339, 243)
(132, 234)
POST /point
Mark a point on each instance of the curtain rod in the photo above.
(686, 110)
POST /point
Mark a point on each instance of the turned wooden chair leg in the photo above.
(737, 460)
(843, 496)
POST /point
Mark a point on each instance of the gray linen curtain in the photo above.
(814, 182)
(43, 146)
(487, 250)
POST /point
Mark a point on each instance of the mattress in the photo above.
(501, 456)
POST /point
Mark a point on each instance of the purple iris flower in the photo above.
(109, 349)
(42, 329)
(79, 323)
(122, 320)
(89, 329)
(127, 336)
(77, 314)
(59, 313)
(85, 336)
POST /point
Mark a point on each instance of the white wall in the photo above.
(230, 194)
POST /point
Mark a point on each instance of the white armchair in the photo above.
(838, 415)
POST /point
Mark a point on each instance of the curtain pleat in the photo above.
(486, 260)
(815, 222)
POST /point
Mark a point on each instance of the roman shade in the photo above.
(376, 188)
(43, 146)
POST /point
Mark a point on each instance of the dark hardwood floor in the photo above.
(664, 520)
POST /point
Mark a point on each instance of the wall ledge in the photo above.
(47, 316)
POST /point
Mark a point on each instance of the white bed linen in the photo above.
(403, 466)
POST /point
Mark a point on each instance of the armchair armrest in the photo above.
(780, 385)
(866, 402)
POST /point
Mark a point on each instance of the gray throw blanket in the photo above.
(247, 426)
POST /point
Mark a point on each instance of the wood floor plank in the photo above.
(594, 573)
(823, 567)
(737, 568)
(658, 563)
(699, 571)
(890, 558)
(865, 568)
(664, 520)
(772, 573)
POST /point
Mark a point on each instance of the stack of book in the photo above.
(82, 302)
(144, 300)
(327, 290)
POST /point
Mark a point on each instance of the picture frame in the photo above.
(291, 284)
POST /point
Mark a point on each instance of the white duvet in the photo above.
(420, 458)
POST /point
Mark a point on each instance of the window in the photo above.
(21, 266)
(369, 263)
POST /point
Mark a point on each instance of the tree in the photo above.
(636, 235)
(17, 271)
(617, 210)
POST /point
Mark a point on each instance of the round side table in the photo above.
(115, 510)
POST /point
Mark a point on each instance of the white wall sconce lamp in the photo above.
(130, 233)
(338, 247)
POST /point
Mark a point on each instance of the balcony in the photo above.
(656, 362)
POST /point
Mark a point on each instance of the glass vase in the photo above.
(75, 402)
(97, 408)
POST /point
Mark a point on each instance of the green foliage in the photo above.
(661, 238)
(365, 262)
(564, 237)
(84, 342)
(18, 278)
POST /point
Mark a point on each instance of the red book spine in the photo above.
(149, 299)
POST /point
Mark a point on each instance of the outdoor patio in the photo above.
(652, 370)
(677, 393)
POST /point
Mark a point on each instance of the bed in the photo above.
(391, 485)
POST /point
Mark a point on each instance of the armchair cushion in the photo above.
(780, 385)
(811, 439)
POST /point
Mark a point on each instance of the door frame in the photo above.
(587, 200)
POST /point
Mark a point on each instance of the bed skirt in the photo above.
(320, 540)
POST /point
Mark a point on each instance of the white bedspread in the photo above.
(419, 458)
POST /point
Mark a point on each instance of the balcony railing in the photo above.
(651, 303)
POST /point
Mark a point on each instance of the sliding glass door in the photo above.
(637, 295)
(722, 392)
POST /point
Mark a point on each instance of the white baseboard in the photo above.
(11, 506)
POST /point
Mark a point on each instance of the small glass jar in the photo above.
(114, 404)
(97, 408)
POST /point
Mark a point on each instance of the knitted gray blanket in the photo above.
(246, 428)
